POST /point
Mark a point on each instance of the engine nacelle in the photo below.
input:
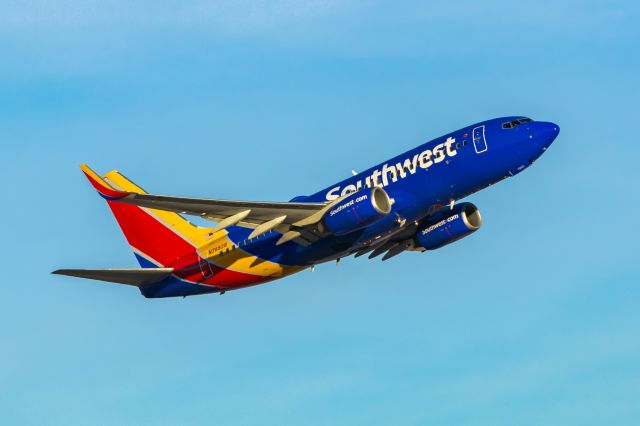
(358, 210)
(449, 225)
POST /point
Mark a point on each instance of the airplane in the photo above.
(408, 203)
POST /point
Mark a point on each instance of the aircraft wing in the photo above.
(294, 220)
(392, 244)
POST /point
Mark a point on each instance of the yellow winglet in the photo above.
(103, 188)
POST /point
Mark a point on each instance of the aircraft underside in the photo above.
(409, 203)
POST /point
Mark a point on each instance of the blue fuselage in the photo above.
(419, 182)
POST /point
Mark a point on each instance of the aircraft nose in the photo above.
(545, 132)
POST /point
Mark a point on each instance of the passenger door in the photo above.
(479, 141)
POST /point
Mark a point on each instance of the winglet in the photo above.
(104, 189)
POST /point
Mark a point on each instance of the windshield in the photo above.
(515, 123)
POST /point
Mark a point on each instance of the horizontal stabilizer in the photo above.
(133, 276)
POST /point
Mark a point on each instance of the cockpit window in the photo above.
(515, 123)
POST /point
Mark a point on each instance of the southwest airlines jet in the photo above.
(408, 203)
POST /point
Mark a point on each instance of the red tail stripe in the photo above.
(146, 234)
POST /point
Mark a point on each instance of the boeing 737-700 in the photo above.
(409, 203)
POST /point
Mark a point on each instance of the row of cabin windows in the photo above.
(243, 243)
(515, 123)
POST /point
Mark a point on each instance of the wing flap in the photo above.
(137, 277)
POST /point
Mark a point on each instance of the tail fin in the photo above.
(157, 237)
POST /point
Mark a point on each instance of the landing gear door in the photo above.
(479, 142)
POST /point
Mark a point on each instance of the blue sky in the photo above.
(532, 320)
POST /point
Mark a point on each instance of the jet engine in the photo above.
(357, 211)
(448, 225)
